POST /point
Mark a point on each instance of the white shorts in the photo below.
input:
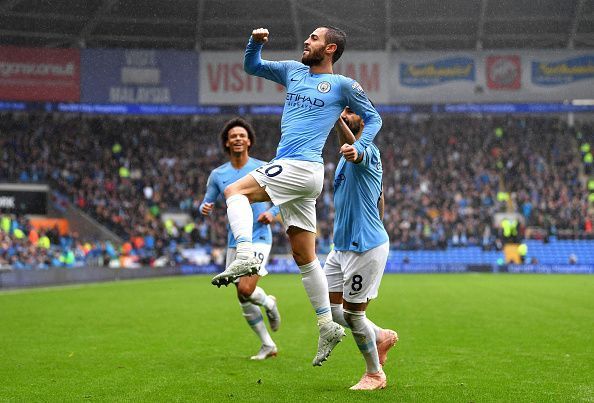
(356, 275)
(294, 186)
(261, 251)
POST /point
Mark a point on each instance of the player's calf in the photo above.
(273, 315)
(365, 338)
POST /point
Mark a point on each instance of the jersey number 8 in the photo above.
(357, 282)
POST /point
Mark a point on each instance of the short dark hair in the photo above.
(337, 36)
(237, 122)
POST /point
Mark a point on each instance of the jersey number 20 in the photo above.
(271, 171)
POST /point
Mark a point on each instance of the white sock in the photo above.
(241, 218)
(259, 297)
(338, 315)
(253, 317)
(316, 286)
(365, 338)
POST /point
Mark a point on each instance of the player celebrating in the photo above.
(237, 138)
(293, 180)
(355, 266)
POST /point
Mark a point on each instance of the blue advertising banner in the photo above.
(139, 109)
(552, 269)
(564, 71)
(437, 72)
(13, 106)
(129, 76)
(160, 109)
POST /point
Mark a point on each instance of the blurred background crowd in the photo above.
(444, 180)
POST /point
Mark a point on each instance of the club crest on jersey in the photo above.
(338, 180)
(324, 87)
(357, 87)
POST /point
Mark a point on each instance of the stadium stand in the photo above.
(445, 178)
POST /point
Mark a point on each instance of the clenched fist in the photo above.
(260, 35)
(349, 152)
(266, 218)
(207, 208)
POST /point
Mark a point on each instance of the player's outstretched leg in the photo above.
(268, 302)
(374, 377)
(253, 316)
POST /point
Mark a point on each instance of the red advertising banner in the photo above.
(224, 82)
(504, 72)
(38, 74)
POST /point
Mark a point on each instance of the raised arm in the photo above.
(345, 135)
(254, 65)
(358, 102)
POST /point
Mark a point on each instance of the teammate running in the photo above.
(355, 266)
(293, 180)
(237, 138)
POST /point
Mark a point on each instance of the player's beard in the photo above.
(354, 126)
(313, 58)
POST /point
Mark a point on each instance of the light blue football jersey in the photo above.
(223, 176)
(357, 189)
(312, 105)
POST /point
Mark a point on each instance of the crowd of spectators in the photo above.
(444, 177)
(25, 246)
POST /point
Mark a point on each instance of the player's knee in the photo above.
(302, 255)
(300, 258)
(353, 317)
(230, 190)
(348, 318)
(302, 245)
(244, 291)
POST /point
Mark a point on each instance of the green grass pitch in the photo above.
(464, 338)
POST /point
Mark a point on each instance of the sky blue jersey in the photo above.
(357, 189)
(312, 105)
(223, 176)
